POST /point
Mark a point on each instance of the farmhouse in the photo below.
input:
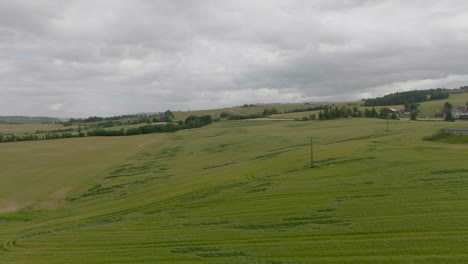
(460, 114)
(392, 112)
(406, 111)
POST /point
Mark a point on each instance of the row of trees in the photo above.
(54, 131)
(313, 108)
(30, 137)
(168, 116)
(334, 112)
(190, 122)
(408, 97)
(345, 112)
(266, 112)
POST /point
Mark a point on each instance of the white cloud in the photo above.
(56, 107)
(131, 66)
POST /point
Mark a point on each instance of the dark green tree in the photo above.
(447, 108)
(449, 117)
(414, 110)
(383, 112)
(374, 112)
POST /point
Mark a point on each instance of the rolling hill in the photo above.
(27, 119)
(239, 192)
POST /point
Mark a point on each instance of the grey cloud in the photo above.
(82, 57)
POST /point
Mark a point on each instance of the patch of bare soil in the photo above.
(9, 207)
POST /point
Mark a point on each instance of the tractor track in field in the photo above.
(10, 244)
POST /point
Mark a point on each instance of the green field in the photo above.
(239, 192)
(428, 108)
(432, 107)
(22, 129)
(246, 110)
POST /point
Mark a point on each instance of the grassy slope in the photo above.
(432, 107)
(40, 174)
(242, 192)
(428, 108)
(243, 110)
(22, 129)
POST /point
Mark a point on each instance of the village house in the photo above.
(406, 112)
(392, 112)
(460, 114)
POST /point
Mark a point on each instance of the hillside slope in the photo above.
(240, 192)
(27, 119)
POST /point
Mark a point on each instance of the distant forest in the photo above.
(402, 98)
(27, 119)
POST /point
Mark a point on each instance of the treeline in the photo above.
(408, 97)
(167, 116)
(190, 122)
(30, 137)
(266, 112)
(113, 123)
(96, 119)
(314, 108)
(335, 112)
(54, 131)
(372, 113)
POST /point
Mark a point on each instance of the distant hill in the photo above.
(401, 98)
(27, 119)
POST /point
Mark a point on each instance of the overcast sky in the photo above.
(78, 58)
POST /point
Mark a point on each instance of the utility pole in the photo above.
(311, 152)
(387, 122)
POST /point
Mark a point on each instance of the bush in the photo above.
(437, 136)
(449, 117)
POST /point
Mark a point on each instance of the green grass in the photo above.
(296, 115)
(239, 192)
(254, 110)
(442, 136)
(429, 108)
(432, 107)
(22, 129)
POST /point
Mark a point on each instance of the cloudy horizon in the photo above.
(83, 58)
